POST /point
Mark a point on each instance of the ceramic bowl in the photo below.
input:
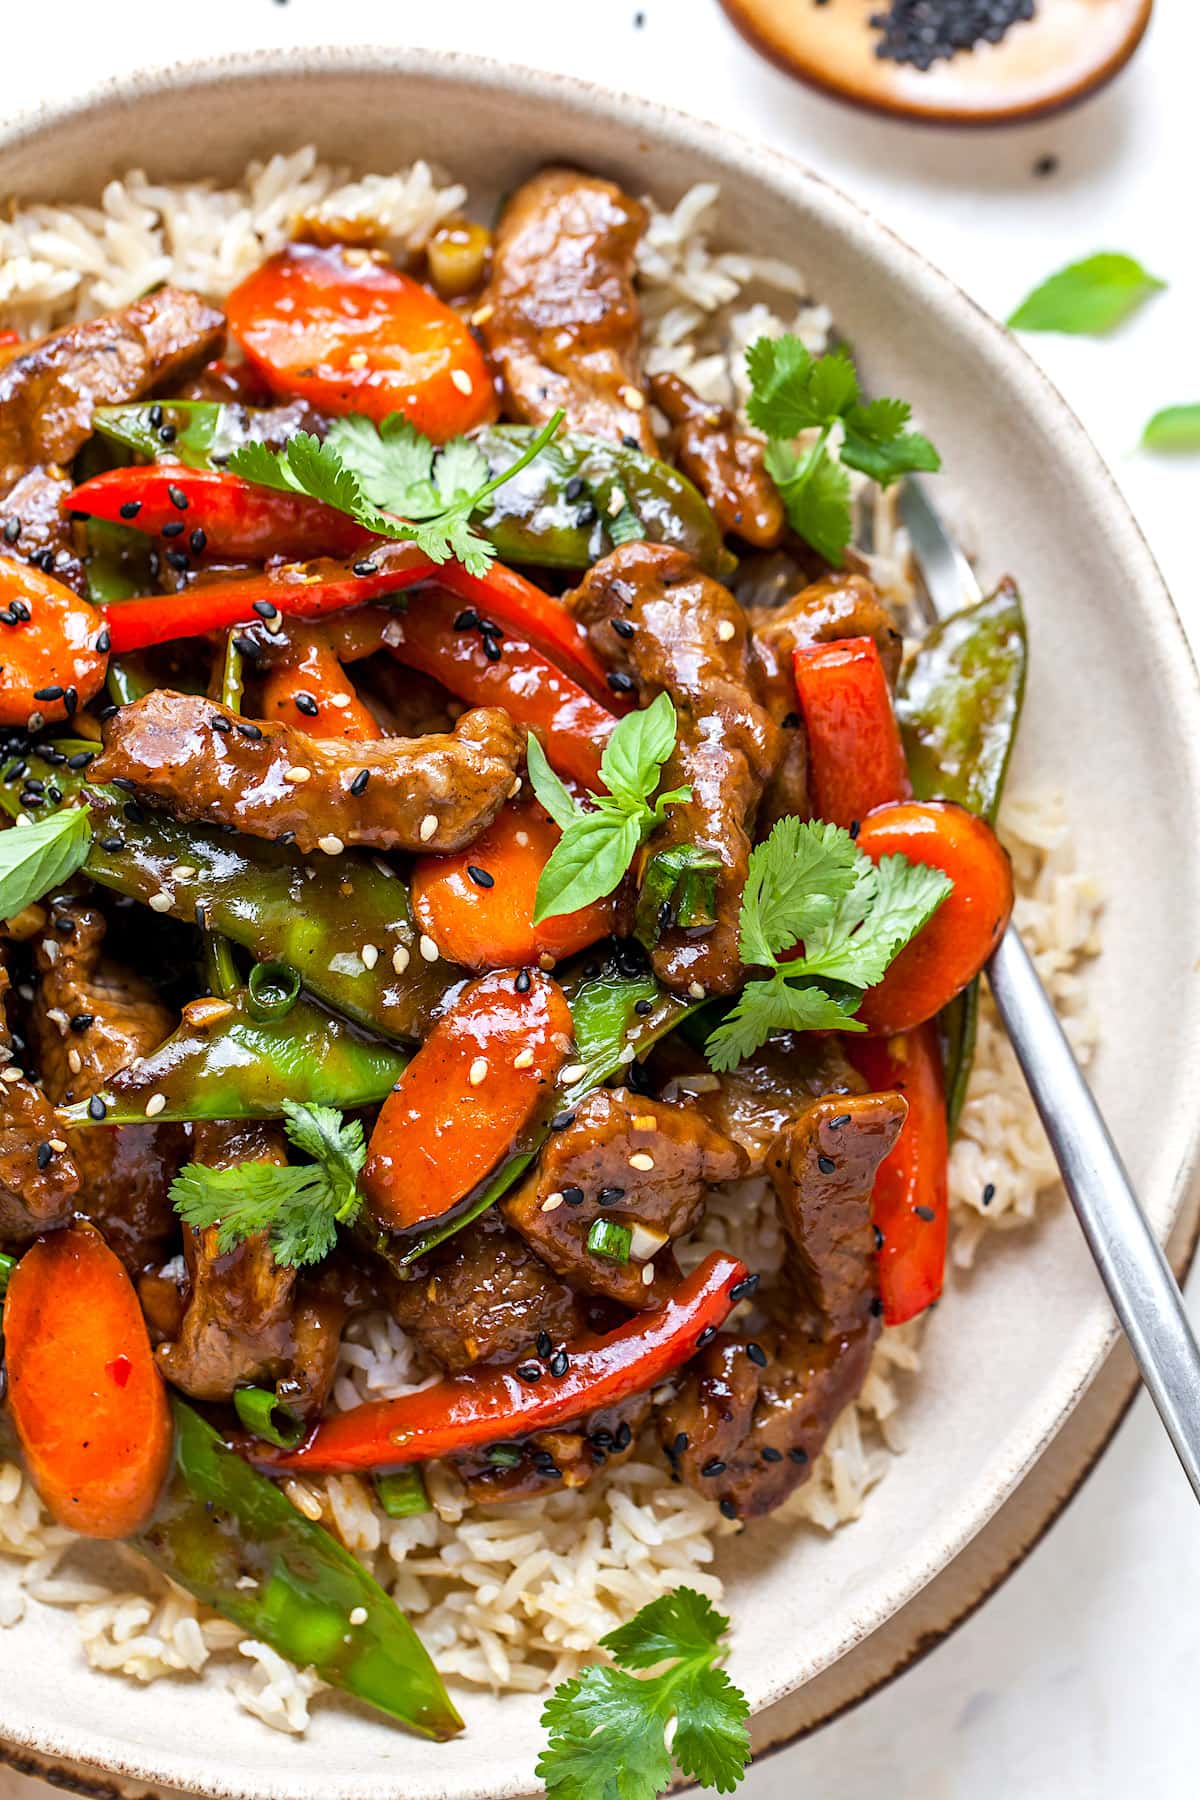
(1112, 720)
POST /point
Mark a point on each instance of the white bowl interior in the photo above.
(1111, 720)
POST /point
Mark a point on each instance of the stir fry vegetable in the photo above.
(231, 1538)
(857, 759)
(220, 514)
(491, 1403)
(55, 648)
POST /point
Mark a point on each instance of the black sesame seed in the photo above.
(467, 620)
(31, 801)
(706, 1336)
(285, 838)
(480, 877)
(620, 682)
(680, 1444)
(177, 497)
(104, 642)
(71, 702)
(925, 1212)
(798, 1455)
(83, 1021)
(742, 1290)
(728, 1509)
(8, 616)
(44, 1156)
(771, 1454)
(34, 786)
(266, 609)
(134, 813)
(219, 723)
(155, 415)
(54, 692)
(248, 729)
(624, 628)
(178, 560)
(714, 1466)
(491, 649)
(20, 608)
(15, 771)
(131, 509)
(587, 515)
(644, 1008)
(306, 703)
(359, 784)
(560, 1362)
(855, 827)
(173, 528)
(608, 1196)
(826, 1165)
(530, 1372)
(878, 1237)
(544, 1343)
(877, 1308)
(524, 982)
(491, 630)
(573, 1196)
(96, 1108)
(989, 1193)
(167, 434)
(602, 1438)
(197, 541)
(112, 844)
(561, 1120)
(757, 1355)
(12, 530)
(365, 567)
(573, 488)
(51, 754)
(842, 1119)
(791, 721)
(623, 1436)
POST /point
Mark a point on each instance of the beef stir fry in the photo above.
(462, 821)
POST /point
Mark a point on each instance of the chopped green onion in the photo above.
(504, 1456)
(220, 966)
(7, 1265)
(264, 1414)
(402, 1494)
(606, 1238)
(232, 684)
(274, 989)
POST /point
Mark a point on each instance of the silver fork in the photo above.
(1143, 1291)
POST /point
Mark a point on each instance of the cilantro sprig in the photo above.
(600, 841)
(810, 886)
(374, 472)
(40, 855)
(299, 1206)
(616, 1733)
(792, 391)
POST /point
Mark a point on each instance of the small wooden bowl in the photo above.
(1065, 52)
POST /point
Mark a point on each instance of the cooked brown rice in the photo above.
(514, 1597)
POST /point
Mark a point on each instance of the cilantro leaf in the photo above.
(815, 491)
(460, 470)
(779, 403)
(600, 841)
(608, 1728)
(809, 885)
(1087, 298)
(393, 463)
(1173, 428)
(875, 442)
(299, 1208)
(40, 856)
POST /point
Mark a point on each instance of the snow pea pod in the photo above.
(959, 704)
(241, 1066)
(230, 1537)
(342, 922)
(200, 430)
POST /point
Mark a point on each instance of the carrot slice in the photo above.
(352, 334)
(482, 1078)
(315, 693)
(478, 906)
(53, 647)
(953, 947)
(856, 758)
(86, 1397)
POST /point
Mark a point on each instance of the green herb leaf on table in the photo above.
(1088, 298)
(38, 857)
(1173, 428)
(299, 1207)
(600, 841)
(366, 471)
(810, 885)
(615, 1734)
(792, 391)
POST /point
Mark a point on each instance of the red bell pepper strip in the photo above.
(910, 1204)
(952, 948)
(511, 673)
(856, 756)
(477, 905)
(310, 590)
(483, 1077)
(490, 1403)
(237, 518)
(349, 332)
(313, 692)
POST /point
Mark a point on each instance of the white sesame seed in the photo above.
(482, 314)
(523, 1059)
(58, 1145)
(275, 622)
(332, 846)
(641, 1159)
(571, 1073)
(478, 1071)
(184, 872)
(297, 775)
(159, 903)
(400, 958)
(429, 827)
(155, 1104)
(551, 1203)
(522, 838)
(631, 398)
(74, 1061)
(370, 956)
(429, 949)
(514, 790)
(616, 502)
(338, 700)
(357, 359)
(545, 962)
(461, 380)
(12, 1075)
(726, 629)
(696, 990)
(358, 1615)
(647, 1274)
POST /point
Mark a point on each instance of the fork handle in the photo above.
(1144, 1292)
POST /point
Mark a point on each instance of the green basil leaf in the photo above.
(36, 858)
(639, 745)
(592, 857)
(1087, 298)
(550, 791)
(1173, 428)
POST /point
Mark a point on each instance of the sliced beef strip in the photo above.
(93, 1018)
(49, 389)
(687, 637)
(597, 1169)
(484, 1296)
(725, 462)
(35, 528)
(527, 1468)
(752, 1414)
(274, 781)
(236, 1326)
(38, 1183)
(753, 1103)
(559, 317)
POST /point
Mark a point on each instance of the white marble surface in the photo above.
(1078, 1681)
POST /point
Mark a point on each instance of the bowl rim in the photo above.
(785, 174)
